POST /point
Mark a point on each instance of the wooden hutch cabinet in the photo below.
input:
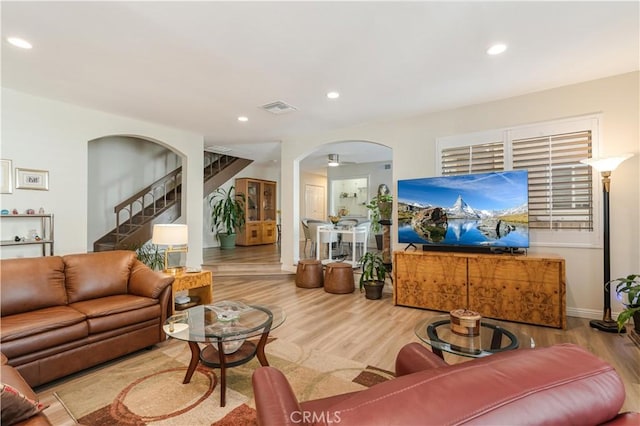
(260, 211)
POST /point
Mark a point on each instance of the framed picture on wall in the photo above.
(32, 179)
(6, 184)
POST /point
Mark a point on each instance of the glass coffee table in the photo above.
(226, 328)
(494, 337)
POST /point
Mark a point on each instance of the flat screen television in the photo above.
(484, 211)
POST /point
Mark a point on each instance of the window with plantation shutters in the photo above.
(562, 202)
(560, 187)
(482, 158)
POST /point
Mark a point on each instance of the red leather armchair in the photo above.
(562, 384)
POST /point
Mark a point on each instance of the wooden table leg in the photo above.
(195, 359)
(223, 375)
(260, 350)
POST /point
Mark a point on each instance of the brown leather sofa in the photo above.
(562, 384)
(62, 314)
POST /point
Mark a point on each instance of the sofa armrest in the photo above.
(276, 404)
(144, 281)
(414, 357)
(625, 419)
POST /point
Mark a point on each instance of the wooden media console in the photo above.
(522, 288)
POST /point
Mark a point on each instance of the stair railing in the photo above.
(215, 162)
(145, 205)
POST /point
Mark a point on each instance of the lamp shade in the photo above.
(333, 160)
(606, 164)
(170, 235)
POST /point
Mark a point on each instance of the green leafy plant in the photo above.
(227, 211)
(149, 254)
(377, 203)
(628, 291)
(373, 268)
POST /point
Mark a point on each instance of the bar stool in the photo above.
(309, 273)
(338, 278)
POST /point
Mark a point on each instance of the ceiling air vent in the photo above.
(278, 107)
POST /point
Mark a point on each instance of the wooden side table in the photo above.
(198, 284)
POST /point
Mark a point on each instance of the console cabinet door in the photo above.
(431, 282)
(518, 289)
(269, 234)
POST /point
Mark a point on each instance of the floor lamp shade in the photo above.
(605, 166)
(171, 235)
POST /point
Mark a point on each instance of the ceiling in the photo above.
(199, 65)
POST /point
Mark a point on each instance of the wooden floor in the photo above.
(372, 332)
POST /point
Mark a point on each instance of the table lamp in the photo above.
(171, 235)
(605, 166)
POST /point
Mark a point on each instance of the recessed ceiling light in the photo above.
(19, 42)
(496, 49)
(243, 118)
(333, 95)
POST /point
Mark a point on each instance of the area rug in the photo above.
(147, 389)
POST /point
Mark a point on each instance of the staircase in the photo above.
(160, 202)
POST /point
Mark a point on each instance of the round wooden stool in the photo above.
(309, 273)
(338, 278)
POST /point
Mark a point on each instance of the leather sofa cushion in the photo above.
(30, 284)
(30, 323)
(51, 339)
(112, 312)
(95, 275)
(124, 319)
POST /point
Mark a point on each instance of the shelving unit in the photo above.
(260, 211)
(45, 232)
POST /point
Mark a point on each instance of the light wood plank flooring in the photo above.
(373, 331)
(369, 331)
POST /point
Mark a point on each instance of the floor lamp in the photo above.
(605, 166)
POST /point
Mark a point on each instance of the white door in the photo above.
(315, 202)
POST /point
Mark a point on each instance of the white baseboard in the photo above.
(588, 313)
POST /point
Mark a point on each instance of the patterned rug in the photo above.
(147, 389)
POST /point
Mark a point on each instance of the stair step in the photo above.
(242, 269)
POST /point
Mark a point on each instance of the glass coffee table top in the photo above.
(494, 336)
(227, 321)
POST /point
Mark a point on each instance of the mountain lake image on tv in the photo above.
(487, 210)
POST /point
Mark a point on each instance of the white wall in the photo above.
(140, 163)
(40, 133)
(413, 142)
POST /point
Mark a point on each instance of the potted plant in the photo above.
(628, 290)
(149, 254)
(227, 215)
(380, 207)
(373, 275)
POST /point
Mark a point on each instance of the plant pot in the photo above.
(373, 289)
(636, 322)
(379, 242)
(385, 208)
(227, 241)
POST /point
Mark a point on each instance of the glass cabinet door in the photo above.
(269, 201)
(253, 201)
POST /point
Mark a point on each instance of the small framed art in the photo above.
(6, 184)
(32, 179)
